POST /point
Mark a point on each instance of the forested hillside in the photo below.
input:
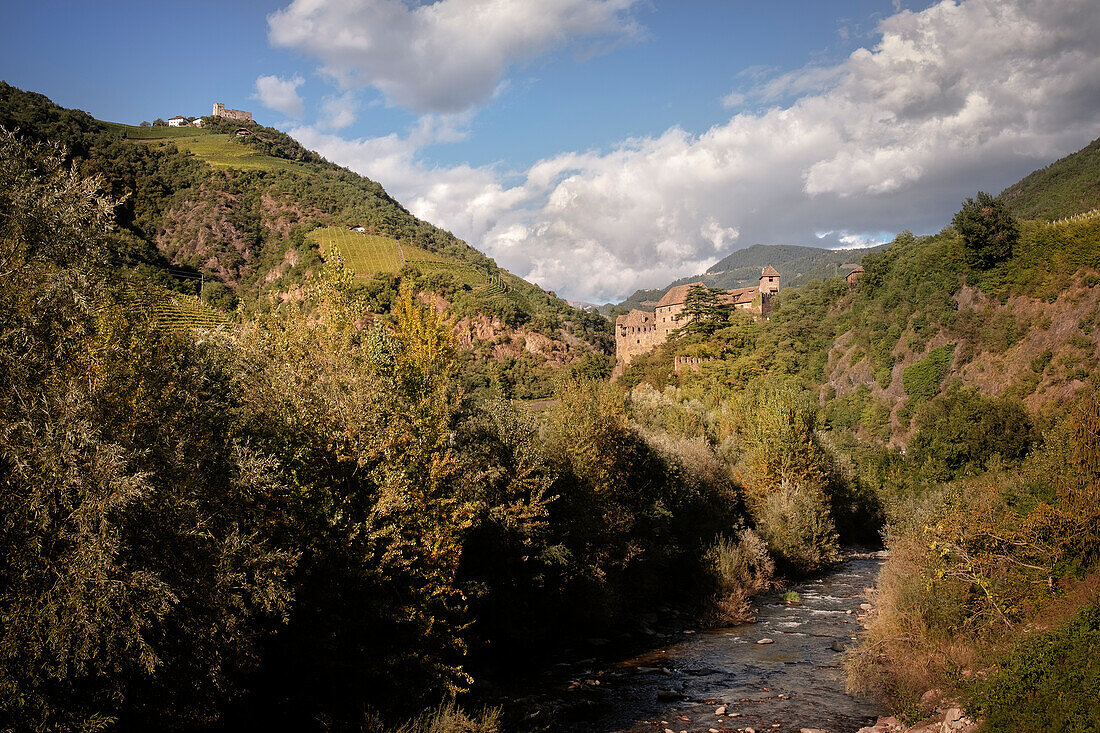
(239, 212)
(1064, 188)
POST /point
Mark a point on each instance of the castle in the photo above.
(231, 114)
(639, 332)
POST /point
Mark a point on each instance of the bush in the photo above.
(796, 523)
(922, 379)
(449, 718)
(1050, 682)
(742, 567)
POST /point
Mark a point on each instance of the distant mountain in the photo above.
(797, 265)
(1065, 187)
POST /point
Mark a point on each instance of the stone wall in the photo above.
(630, 341)
(231, 114)
(639, 332)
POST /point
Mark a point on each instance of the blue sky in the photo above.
(596, 146)
(133, 61)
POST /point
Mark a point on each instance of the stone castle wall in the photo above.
(632, 341)
(238, 115)
(640, 332)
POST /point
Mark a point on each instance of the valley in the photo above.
(280, 454)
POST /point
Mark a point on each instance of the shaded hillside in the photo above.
(239, 212)
(797, 265)
(1065, 187)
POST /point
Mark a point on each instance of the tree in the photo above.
(158, 122)
(137, 572)
(705, 309)
(144, 123)
(961, 429)
(988, 229)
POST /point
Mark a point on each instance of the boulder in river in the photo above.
(765, 640)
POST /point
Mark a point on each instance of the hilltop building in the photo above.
(639, 332)
(231, 114)
(177, 121)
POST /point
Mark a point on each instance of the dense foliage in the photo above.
(297, 522)
(988, 230)
(1063, 188)
(1049, 682)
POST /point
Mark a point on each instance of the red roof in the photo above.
(769, 271)
(635, 319)
(740, 295)
(678, 294)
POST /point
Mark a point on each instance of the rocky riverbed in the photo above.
(783, 673)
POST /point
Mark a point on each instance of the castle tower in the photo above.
(219, 108)
(769, 280)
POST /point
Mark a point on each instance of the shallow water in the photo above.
(795, 682)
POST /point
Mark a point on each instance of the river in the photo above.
(795, 682)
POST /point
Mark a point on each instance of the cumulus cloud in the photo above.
(279, 94)
(960, 96)
(445, 56)
(338, 111)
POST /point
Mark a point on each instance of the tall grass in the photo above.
(450, 718)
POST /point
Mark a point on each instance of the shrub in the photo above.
(449, 718)
(796, 523)
(922, 379)
(742, 567)
(1050, 682)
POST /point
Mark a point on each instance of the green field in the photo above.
(217, 149)
(366, 254)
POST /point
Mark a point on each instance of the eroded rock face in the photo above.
(1041, 350)
(472, 333)
(215, 229)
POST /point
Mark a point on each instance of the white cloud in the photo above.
(279, 94)
(445, 56)
(958, 97)
(338, 111)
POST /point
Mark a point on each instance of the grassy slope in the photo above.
(220, 150)
(1065, 187)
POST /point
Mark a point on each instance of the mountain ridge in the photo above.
(797, 265)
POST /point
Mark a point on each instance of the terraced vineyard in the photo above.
(172, 311)
(216, 149)
(368, 254)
